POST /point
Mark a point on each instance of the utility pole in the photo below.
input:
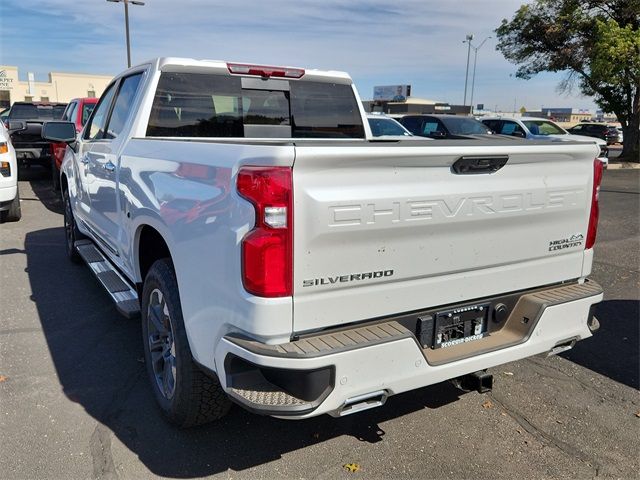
(126, 23)
(475, 59)
(466, 75)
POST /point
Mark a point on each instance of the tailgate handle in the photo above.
(473, 165)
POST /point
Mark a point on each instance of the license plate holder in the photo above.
(460, 325)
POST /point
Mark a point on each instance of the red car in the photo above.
(78, 111)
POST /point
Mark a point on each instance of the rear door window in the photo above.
(69, 114)
(596, 129)
(123, 105)
(430, 126)
(87, 108)
(209, 105)
(412, 124)
(494, 125)
(509, 128)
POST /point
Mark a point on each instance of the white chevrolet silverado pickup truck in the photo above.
(282, 258)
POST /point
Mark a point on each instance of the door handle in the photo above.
(84, 159)
(109, 167)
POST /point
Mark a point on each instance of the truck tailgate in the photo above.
(383, 229)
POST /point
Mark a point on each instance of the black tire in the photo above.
(72, 234)
(14, 213)
(192, 397)
(55, 176)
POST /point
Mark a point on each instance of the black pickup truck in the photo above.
(30, 147)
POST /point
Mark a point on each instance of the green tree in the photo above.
(596, 42)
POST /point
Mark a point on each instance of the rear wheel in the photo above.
(185, 394)
(72, 234)
(14, 213)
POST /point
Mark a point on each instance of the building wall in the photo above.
(61, 87)
(415, 108)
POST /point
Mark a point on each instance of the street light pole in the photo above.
(126, 23)
(126, 27)
(466, 75)
(475, 59)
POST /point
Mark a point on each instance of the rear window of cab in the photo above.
(210, 105)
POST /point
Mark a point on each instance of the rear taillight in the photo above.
(267, 263)
(595, 210)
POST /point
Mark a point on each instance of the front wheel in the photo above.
(185, 394)
(14, 213)
(71, 231)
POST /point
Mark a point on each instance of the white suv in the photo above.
(9, 197)
(533, 128)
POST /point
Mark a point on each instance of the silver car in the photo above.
(533, 128)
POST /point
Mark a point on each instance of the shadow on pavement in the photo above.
(614, 350)
(40, 181)
(98, 359)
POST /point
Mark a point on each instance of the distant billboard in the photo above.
(392, 93)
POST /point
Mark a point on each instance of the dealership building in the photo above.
(61, 87)
(562, 115)
(397, 99)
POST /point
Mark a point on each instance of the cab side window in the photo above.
(98, 121)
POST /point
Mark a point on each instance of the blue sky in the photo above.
(378, 42)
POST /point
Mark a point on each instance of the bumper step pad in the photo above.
(121, 292)
(268, 395)
(329, 343)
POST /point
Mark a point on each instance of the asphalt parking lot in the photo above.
(74, 399)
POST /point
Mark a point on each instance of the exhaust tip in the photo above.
(562, 347)
(363, 402)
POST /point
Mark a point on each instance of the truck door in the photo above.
(103, 162)
(93, 134)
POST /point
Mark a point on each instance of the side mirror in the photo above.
(518, 134)
(437, 134)
(16, 126)
(58, 131)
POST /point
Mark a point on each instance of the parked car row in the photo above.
(603, 131)
(78, 112)
(454, 127)
(26, 136)
(533, 128)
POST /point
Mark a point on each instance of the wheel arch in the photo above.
(150, 245)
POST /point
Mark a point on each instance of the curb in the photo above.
(623, 165)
